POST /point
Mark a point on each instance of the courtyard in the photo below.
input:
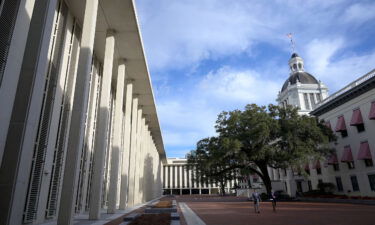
(233, 210)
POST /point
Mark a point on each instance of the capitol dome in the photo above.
(297, 73)
(302, 77)
(301, 89)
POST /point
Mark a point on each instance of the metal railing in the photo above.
(348, 87)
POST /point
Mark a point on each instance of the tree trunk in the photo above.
(222, 187)
(266, 178)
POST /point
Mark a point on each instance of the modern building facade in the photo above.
(180, 179)
(350, 113)
(79, 132)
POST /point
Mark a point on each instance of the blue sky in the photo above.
(206, 56)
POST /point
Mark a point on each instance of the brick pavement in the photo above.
(233, 211)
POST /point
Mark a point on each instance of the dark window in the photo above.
(320, 181)
(312, 100)
(360, 128)
(339, 184)
(350, 165)
(368, 162)
(319, 97)
(306, 98)
(354, 183)
(309, 184)
(371, 179)
(336, 167)
(285, 172)
(318, 170)
(344, 133)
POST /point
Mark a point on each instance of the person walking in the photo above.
(256, 199)
(273, 200)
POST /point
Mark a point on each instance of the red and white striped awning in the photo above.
(347, 155)
(364, 151)
(371, 115)
(340, 125)
(356, 118)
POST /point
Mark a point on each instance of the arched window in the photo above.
(300, 66)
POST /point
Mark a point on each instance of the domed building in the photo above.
(301, 89)
(304, 91)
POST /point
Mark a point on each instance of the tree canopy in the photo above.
(260, 137)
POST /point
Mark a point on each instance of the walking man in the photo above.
(256, 199)
(273, 200)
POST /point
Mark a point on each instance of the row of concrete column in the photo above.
(107, 134)
(183, 176)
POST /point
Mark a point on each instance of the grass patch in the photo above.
(163, 204)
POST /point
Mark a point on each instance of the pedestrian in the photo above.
(273, 200)
(256, 199)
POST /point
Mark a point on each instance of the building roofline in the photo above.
(350, 91)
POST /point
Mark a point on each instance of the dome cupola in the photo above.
(296, 64)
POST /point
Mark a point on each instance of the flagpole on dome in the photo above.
(292, 44)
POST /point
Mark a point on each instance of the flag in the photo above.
(289, 35)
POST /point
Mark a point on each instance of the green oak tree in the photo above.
(259, 137)
(214, 159)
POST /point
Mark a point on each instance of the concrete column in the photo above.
(13, 67)
(185, 176)
(190, 178)
(137, 156)
(92, 109)
(141, 159)
(20, 107)
(166, 181)
(163, 176)
(175, 178)
(116, 146)
(132, 163)
(180, 173)
(126, 153)
(102, 126)
(76, 130)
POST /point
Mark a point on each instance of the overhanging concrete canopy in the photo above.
(120, 16)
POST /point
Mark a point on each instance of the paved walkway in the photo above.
(190, 217)
(233, 211)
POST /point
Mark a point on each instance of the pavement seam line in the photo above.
(190, 217)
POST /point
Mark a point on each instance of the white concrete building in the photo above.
(180, 179)
(350, 112)
(79, 132)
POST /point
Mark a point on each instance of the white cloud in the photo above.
(336, 73)
(360, 12)
(239, 86)
(319, 53)
(189, 116)
(179, 34)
